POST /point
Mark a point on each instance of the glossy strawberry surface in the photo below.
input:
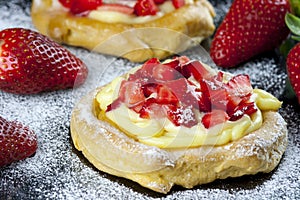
(178, 88)
(293, 69)
(250, 28)
(17, 142)
(31, 62)
(145, 7)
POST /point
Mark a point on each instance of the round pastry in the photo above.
(179, 122)
(117, 28)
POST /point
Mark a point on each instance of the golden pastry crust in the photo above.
(172, 33)
(111, 151)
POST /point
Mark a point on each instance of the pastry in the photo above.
(123, 33)
(179, 122)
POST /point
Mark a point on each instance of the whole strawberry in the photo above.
(293, 69)
(293, 56)
(17, 142)
(250, 27)
(32, 63)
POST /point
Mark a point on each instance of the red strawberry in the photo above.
(195, 69)
(181, 116)
(250, 27)
(293, 69)
(145, 7)
(178, 3)
(213, 118)
(165, 73)
(17, 142)
(66, 3)
(159, 1)
(131, 93)
(241, 109)
(81, 6)
(32, 63)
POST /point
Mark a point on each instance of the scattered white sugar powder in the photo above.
(59, 171)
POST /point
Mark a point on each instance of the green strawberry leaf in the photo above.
(297, 38)
(289, 92)
(295, 7)
(286, 46)
(293, 23)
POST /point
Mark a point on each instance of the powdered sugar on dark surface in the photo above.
(59, 171)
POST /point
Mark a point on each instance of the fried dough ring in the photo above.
(172, 33)
(112, 151)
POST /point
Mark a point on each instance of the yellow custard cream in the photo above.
(119, 17)
(164, 134)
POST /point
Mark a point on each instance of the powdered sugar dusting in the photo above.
(58, 171)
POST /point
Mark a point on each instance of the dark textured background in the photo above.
(58, 171)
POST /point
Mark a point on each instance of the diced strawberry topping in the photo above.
(214, 117)
(164, 90)
(195, 69)
(184, 116)
(178, 3)
(131, 93)
(159, 1)
(81, 6)
(165, 73)
(243, 108)
(66, 3)
(145, 7)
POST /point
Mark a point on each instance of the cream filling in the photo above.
(164, 134)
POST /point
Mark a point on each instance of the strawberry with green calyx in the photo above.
(250, 28)
(293, 57)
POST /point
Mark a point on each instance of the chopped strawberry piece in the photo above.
(204, 101)
(162, 93)
(114, 105)
(165, 73)
(146, 71)
(219, 99)
(195, 69)
(159, 1)
(181, 116)
(243, 108)
(214, 117)
(165, 95)
(149, 89)
(81, 6)
(239, 86)
(145, 7)
(175, 63)
(66, 3)
(131, 93)
(117, 8)
(153, 110)
(178, 3)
